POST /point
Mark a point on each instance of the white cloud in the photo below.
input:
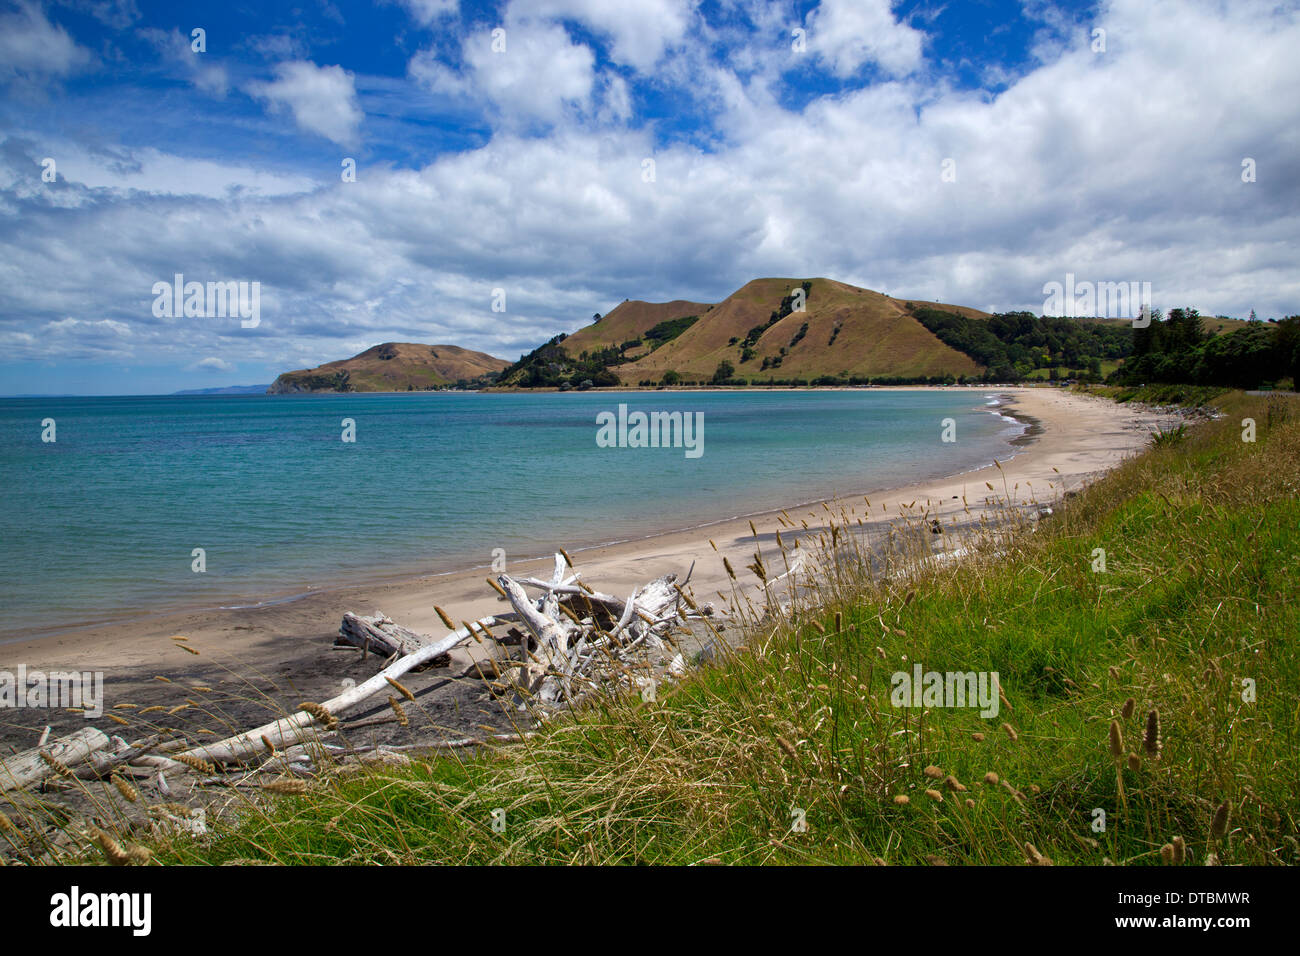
(425, 12)
(31, 46)
(212, 364)
(847, 34)
(640, 30)
(531, 72)
(323, 99)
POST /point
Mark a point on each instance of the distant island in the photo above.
(395, 367)
(226, 390)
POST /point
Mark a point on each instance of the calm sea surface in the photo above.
(102, 523)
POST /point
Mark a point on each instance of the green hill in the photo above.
(394, 367)
(838, 332)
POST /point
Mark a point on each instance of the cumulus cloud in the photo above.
(640, 30)
(323, 99)
(847, 34)
(525, 71)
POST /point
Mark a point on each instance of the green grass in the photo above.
(1199, 594)
(1193, 395)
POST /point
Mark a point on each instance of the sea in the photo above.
(115, 507)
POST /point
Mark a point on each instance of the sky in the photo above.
(491, 174)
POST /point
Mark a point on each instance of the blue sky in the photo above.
(1104, 140)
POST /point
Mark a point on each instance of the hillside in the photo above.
(843, 333)
(632, 319)
(394, 367)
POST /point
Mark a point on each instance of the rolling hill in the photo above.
(394, 367)
(843, 332)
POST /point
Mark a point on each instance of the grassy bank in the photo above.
(1125, 691)
(1193, 395)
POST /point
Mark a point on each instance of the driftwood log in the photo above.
(381, 635)
(32, 766)
(290, 730)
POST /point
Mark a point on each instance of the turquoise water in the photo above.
(102, 522)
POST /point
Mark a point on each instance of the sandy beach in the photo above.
(257, 661)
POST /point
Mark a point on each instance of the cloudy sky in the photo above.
(574, 153)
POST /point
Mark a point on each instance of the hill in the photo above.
(394, 367)
(841, 333)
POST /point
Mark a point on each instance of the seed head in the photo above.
(1151, 739)
(125, 788)
(1180, 850)
(1219, 825)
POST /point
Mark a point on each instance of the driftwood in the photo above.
(552, 649)
(385, 638)
(290, 730)
(566, 656)
(597, 641)
(36, 764)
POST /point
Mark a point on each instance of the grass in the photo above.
(1193, 620)
(1192, 395)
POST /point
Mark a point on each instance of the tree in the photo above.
(670, 378)
(724, 372)
(1287, 337)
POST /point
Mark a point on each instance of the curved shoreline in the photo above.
(1002, 404)
(1069, 439)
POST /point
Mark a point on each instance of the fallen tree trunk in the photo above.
(30, 766)
(289, 730)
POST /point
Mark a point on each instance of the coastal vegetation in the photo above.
(1146, 703)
